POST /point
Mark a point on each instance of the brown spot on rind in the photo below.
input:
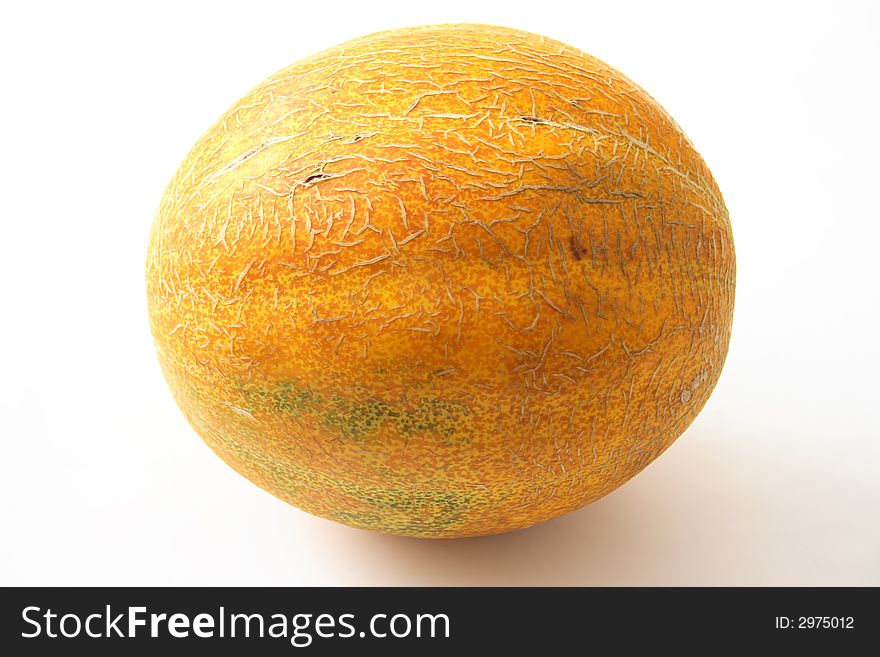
(577, 251)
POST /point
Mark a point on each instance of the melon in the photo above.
(442, 281)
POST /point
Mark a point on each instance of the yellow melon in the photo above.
(442, 281)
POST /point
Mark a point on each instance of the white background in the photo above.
(103, 482)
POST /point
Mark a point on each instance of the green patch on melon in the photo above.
(358, 420)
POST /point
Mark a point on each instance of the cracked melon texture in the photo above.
(442, 281)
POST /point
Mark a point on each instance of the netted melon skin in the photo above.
(442, 281)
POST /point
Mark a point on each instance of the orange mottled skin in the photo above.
(442, 281)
